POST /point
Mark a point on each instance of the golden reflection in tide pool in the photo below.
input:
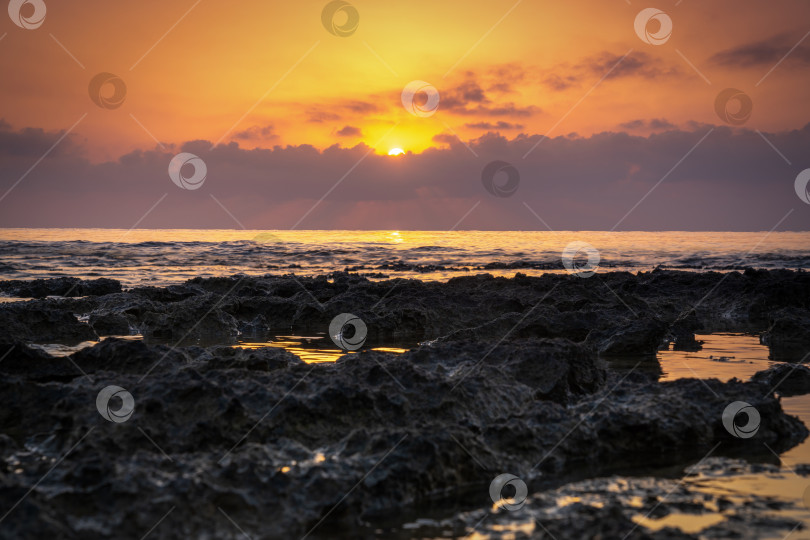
(783, 486)
(311, 349)
(688, 523)
(517, 529)
(723, 356)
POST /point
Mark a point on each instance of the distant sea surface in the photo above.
(161, 257)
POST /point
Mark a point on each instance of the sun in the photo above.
(396, 152)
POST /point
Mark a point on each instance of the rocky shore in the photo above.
(501, 376)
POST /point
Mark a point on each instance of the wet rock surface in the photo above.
(788, 334)
(276, 444)
(635, 508)
(789, 379)
(40, 288)
(510, 380)
(617, 314)
(43, 322)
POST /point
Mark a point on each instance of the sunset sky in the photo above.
(294, 110)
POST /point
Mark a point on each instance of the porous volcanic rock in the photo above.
(63, 286)
(278, 445)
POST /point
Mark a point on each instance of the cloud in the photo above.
(764, 53)
(467, 92)
(29, 142)
(469, 98)
(350, 131)
(660, 123)
(610, 65)
(339, 110)
(507, 74)
(654, 124)
(321, 116)
(359, 107)
(445, 138)
(502, 88)
(490, 126)
(560, 82)
(635, 64)
(257, 133)
(732, 181)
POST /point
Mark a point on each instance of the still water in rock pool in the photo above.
(725, 356)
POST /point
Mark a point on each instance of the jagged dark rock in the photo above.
(788, 335)
(510, 379)
(64, 286)
(276, 443)
(616, 314)
(786, 379)
(109, 324)
(43, 322)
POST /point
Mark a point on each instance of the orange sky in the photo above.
(520, 75)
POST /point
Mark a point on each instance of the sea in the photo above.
(163, 257)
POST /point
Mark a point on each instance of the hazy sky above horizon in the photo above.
(294, 123)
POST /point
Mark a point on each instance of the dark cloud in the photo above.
(36, 141)
(660, 123)
(513, 73)
(320, 116)
(607, 64)
(509, 110)
(559, 82)
(445, 138)
(732, 181)
(339, 110)
(495, 126)
(501, 88)
(359, 107)
(350, 131)
(468, 92)
(654, 124)
(460, 97)
(470, 99)
(257, 133)
(764, 53)
(635, 64)
(634, 124)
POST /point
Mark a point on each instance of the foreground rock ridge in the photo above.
(501, 376)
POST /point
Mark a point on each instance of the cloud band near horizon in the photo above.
(732, 180)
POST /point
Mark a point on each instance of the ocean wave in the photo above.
(163, 259)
